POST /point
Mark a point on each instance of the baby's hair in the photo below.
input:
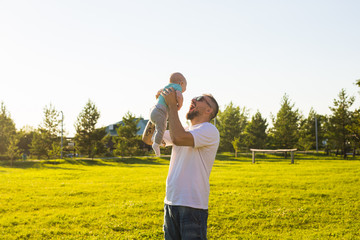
(177, 78)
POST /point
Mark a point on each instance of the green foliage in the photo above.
(255, 132)
(13, 150)
(51, 122)
(40, 145)
(354, 129)
(25, 136)
(236, 145)
(85, 137)
(98, 142)
(55, 150)
(286, 125)
(340, 121)
(231, 124)
(316, 198)
(47, 134)
(7, 129)
(127, 141)
(307, 136)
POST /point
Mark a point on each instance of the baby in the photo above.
(159, 115)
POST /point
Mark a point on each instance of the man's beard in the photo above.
(191, 115)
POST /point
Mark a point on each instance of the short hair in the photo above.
(177, 78)
(216, 110)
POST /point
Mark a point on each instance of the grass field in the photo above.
(315, 198)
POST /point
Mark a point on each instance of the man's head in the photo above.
(178, 78)
(204, 107)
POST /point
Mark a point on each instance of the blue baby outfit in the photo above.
(176, 87)
(159, 115)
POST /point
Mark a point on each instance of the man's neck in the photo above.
(197, 121)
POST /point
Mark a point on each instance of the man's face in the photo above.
(193, 112)
(198, 104)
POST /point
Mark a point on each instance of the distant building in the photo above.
(111, 129)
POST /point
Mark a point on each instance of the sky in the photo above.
(120, 53)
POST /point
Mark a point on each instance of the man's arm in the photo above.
(148, 133)
(178, 135)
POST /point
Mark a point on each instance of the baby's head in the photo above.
(179, 79)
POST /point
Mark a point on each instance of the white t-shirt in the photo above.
(187, 183)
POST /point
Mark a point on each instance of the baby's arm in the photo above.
(180, 99)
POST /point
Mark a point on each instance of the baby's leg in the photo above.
(158, 116)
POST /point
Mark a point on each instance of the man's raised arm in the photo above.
(178, 135)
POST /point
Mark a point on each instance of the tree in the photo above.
(40, 145)
(51, 121)
(307, 135)
(255, 132)
(286, 125)
(7, 129)
(329, 143)
(231, 123)
(55, 150)
(85, 129)
(354, 129)
(99, 142)
(236, 145)
(126, 143)
(13, 151)
(340, 122)
(26, 135)
(47, 134)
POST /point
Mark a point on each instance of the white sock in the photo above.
(156, 148)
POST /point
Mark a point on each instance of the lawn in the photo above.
(315, 198)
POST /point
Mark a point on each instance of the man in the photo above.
(193, 154)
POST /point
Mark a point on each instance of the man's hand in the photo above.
(178, 135)
(169, 95)
(158, 93)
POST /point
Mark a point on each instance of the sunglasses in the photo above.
(202, 98)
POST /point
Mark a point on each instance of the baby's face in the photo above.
(183, 85)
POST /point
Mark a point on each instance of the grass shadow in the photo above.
(279, 157)
(84, 162)
(139, 160)
(143, 161)
(40, 164)
(247, 157)
(232, 158)
(109, 162)
(323, 157)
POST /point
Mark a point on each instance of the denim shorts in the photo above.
(184, 222)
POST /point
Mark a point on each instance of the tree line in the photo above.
(338, 132)
(44, 142)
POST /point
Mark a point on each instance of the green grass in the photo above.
(315, 198)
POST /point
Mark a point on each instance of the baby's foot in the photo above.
(156, 148)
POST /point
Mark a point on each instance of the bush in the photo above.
(109, 154)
